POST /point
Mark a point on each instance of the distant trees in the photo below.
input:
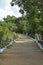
(10, 23)
(9, 19)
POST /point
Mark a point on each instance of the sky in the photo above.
(7, 9)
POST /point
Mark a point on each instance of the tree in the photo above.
(10, 23)
(34, 12)
(12, 26)
(10, 19)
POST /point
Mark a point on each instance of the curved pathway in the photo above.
(23, 52)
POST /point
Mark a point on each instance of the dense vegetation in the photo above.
(34, 14)
(7, 30)
(30, 23)
(12, 25)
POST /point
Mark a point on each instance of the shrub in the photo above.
(15, 36)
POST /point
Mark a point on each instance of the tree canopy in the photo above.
(34, 13)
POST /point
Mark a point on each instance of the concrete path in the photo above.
(23, 52)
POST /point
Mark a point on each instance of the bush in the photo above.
(5, 43)
(4, 33)
(1, 33)
(15, 36)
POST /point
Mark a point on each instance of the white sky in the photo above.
(7, 9)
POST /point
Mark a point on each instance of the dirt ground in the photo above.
(23, 52)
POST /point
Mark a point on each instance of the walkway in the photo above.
(23, 52)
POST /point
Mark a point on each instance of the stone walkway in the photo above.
(23, 52)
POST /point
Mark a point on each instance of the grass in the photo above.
(4, 44)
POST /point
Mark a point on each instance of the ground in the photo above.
(23, 52)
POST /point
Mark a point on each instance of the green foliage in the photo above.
(7, 27)
(24, 25)
(6, 33)
(10, 19)
(34, 14)
(1, 33)
(5, 43)
(32, 22)
(12, 26)
(15, 36)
